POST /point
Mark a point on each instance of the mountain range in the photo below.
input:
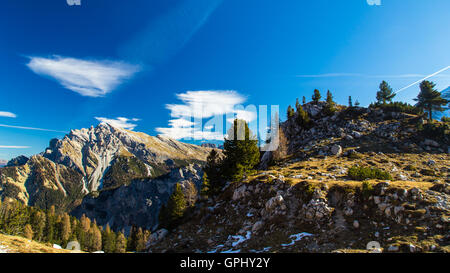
(93, 161)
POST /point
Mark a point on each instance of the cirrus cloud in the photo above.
(7, 114)
(90, 78)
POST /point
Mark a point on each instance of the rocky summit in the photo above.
(90, 160)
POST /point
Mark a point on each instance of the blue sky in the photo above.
(66, 67)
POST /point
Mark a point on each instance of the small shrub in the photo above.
(363, 173)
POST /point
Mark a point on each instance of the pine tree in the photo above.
(290, 112)
(121, 243)
(304, 100)
(297, 104)
(65, 228)
(173, 211)
(140, 244)
(429, 99)
(303, 119)
(350, 103)
(385, 94)
(316, 97)
(241, 150)
(28, 232)
(132, 239)
(330, 107)
(206, 186)
(213, 173)
(108, 240)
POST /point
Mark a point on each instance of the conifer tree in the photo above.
(65, 228)
(290, 112)
(108, 240)
(173, 211)
(132, 239)
(213, 172)
(121, 243)
(304, 100)
(350, 103)
(241, 151)
(385, 94)
(297, 104)
(330, 107)
(303, 119)
(316, 97)
(140, 243)
(429, 99)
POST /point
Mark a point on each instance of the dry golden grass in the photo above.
(15, 244)
(395, 164)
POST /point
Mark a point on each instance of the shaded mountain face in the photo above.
(139, 202)
(89, 160)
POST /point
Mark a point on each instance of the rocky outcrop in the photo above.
(139, 203)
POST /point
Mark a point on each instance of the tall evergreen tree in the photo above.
(330, 107)
(303, 119)
(304, 100)
(316, 97)
(350, 103)
(290, 112)
(213, 174)
(140, 244)
(173, 211)
(241, 150)
(121, 243)
(429, 99)
(385, 94)
(297, 104)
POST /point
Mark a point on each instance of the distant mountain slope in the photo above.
(3, 162)
(87, 159)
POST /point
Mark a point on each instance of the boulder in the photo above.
(336, 150)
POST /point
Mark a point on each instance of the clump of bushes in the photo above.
(363, 173)
(397, 106)
(436, 130)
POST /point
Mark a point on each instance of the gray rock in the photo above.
(336, 150)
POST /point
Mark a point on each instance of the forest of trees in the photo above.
(60, 228)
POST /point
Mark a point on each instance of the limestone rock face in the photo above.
(88, 160)
(91, 151)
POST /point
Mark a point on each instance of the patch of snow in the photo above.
(3, 249)
(240, 239)
(297, 237)
(231, 251)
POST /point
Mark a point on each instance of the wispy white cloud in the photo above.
(120, 122)
(201, 105)
(87, 77)
(7, 114)
(14, 147)
(30, 128)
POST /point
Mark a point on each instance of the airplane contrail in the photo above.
(30, 128)
(429, 76)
